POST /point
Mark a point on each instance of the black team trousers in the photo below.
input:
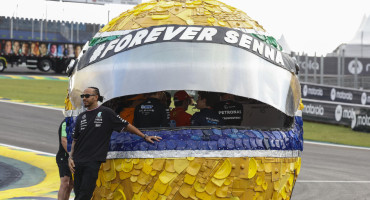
(86, 174)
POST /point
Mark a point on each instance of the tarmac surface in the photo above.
(328, 171)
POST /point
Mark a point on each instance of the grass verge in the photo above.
(335, 134)
(54, 92)
(39, 91)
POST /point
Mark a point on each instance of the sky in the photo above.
(309, 26)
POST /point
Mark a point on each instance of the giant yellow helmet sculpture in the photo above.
(202, 45)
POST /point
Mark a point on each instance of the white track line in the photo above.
(32, 105)
(336, 145)
(25, 149)
(324, 181)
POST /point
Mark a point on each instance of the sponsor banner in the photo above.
(361, 121)
(328, 112)
(182, 65)
(186, 34)
(355, 116)
(335, 94)
(39, 49)
(360, 66)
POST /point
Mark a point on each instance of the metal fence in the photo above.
(46, 30)
(337, 71)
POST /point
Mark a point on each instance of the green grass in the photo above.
(335, 134)
(38, 91)
(54, 92)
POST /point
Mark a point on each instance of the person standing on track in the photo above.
(91, 141)
(66, 182)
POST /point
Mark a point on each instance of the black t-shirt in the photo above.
(92, 133)
(206, 117)
(62, 155)
(151, 113)
(230, 111)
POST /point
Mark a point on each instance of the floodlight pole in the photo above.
(314, 68)
(356, 71)
(338, 67)
(362, 37)
(322, 70)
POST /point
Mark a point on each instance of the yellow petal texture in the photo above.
(196, 12)
(218, 182)
(158, 17)
(149, 161)
(127, 166)
(160, 187)
(211, 188)
(136, 161)
(147, 168)
(144, 178)
(193, 168)
(136, 187)
(98, 181)
(224, 170)
(124, 175)
(158, 164)
(107, 165)
(197, 178)
(228, 181)
(180, 165)
(199, 187)
(152, 195)
(203, 195)
(222, 191)
(119, 194)
(252, 168)
(166, 177)
(170, 166)
(189, 179)
(118, 163)
(185, 190)
(109, 172)
(190, 158)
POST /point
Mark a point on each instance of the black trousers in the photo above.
(86, 174)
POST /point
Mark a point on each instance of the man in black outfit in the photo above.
(230, 110)
(207, 116)
(91, 141)
(66, 182)
(152, 112)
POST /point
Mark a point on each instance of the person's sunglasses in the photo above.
(87, 95)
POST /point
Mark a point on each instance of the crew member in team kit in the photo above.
(91, 139)
(207, 116)
(178, 115)
(230, 110)
(152, 112)
(66, 182)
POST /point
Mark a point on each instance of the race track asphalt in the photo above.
(30, 127)
(327, 173)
